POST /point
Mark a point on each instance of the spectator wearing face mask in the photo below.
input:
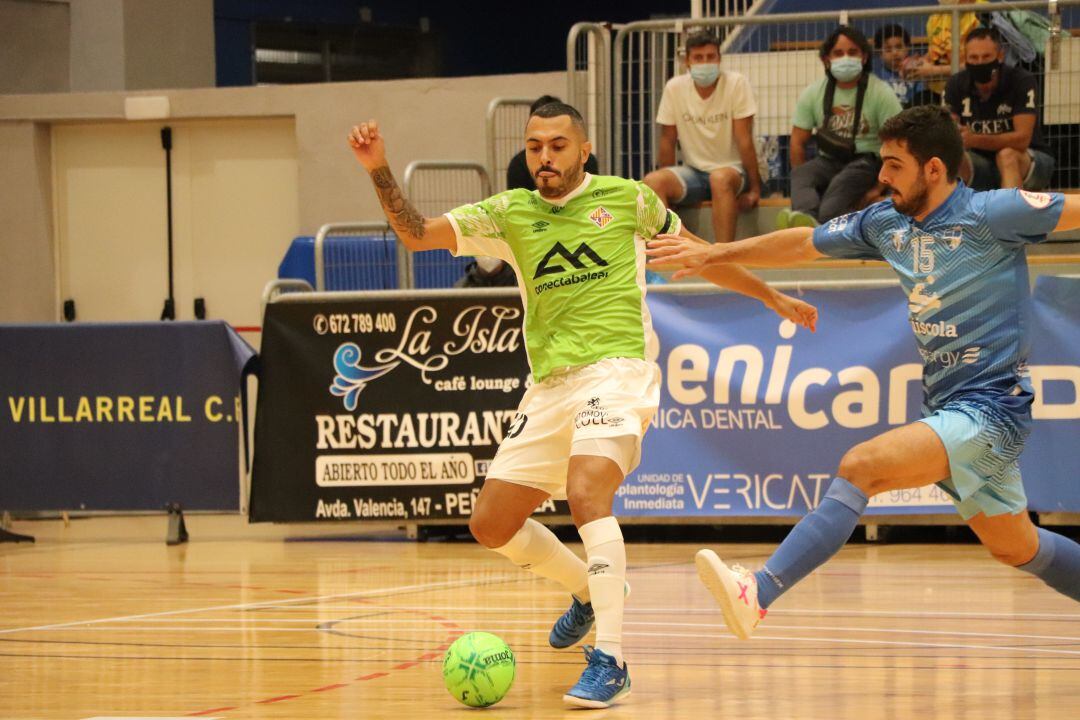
(996, 108)
(487, 272)
(709, 112)
(842, 112)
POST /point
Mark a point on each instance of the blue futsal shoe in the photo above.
(602, 683)
(574, 624)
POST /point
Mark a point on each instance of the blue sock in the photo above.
(1057, 563)
(815, 539)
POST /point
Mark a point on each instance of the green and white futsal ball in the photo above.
(478, 669)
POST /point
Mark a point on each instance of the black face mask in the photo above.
(983, 73)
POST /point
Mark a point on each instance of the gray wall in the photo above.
(432, 119)
(27, 269)
(168, 44)
(34, 46)
(97, 45)
(49, 46)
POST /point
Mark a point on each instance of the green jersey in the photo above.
(580, 262)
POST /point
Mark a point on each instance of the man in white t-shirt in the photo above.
(710, 112)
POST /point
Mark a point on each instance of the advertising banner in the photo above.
(390, 407)
(1051, 461)
(121, 416)
(756, 413)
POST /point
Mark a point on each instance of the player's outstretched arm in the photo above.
(777, 249)
(1070, 214)
(414, 230)
(738, 279)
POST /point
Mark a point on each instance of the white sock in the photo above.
(606, 557)
(536, 549)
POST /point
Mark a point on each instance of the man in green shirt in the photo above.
(577, 244)
(847, 164)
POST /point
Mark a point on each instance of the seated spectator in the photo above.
(893, 44)
(996, 108)
(709, 112)
(936, 66)
(843, 113)
(487, 272)
(517, 170)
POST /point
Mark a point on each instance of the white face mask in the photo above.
(846, 69)
(705, 74)
(488, 264)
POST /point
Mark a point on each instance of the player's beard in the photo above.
(913, 203)
(570, 180)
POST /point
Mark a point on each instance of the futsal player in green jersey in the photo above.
(577, 244)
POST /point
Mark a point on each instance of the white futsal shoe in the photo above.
(735, 589)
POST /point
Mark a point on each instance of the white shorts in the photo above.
(611, 398)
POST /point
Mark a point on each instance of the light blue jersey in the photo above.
(964, 271)
(965, 274)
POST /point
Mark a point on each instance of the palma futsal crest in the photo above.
(601, 217)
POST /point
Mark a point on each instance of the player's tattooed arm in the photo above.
(414, 230)
(405, 219)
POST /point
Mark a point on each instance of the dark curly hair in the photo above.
(929, 131)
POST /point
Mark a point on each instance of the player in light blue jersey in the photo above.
(960, 258)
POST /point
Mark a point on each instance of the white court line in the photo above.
(891, 631)
(183, 629)
(246, 606)
(633, 609)
(422, 626)
(262, 624)
(436, 609)
(929, 614)
(853, 641)
(815, 628)
(241, 624)
(719, 636)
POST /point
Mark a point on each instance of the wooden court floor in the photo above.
(101, 619)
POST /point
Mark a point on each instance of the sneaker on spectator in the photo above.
(783, 219)
(801, 219)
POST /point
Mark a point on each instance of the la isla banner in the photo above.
(384, 408)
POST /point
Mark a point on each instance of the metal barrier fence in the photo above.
(434, 187)
(723, 8)
(588, 84)
(779, 55)
(353, 255)
(281, 286)
(506, 119)
(366, 255)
